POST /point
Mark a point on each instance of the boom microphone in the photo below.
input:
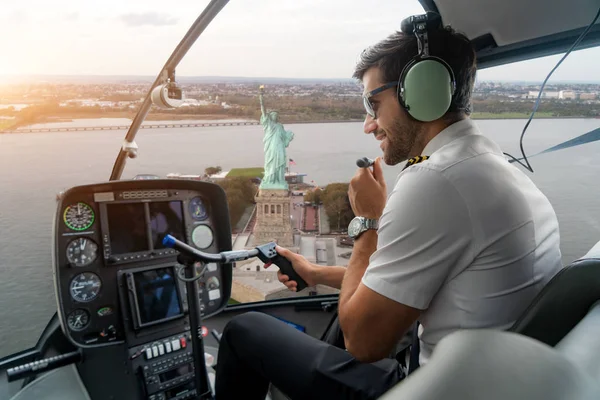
(365, 162)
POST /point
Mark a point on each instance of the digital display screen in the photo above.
(157, 295)
(127, 228)
(176, 391)
(175, 373)
(166, 218)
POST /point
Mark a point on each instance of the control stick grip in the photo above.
(267, 253)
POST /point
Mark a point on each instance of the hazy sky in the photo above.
(256, 38)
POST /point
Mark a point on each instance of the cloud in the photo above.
(147, 18)
(74, 16)
(18, 16)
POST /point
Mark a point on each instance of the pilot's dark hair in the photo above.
(393, 53)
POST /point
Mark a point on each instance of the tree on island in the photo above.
(314, 196)
(240, 194)
(337, 204)
(212, 170)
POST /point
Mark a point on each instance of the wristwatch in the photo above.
(358, 225)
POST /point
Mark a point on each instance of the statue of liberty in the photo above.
(275, 141)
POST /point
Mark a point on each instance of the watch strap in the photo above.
(370, 223)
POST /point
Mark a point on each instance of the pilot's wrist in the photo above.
(371, 215)
(316, 274)
(366, 240)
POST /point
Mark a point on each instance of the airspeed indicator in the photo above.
(79, 216)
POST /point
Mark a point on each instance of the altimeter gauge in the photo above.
(78, 320)
(82, 252)
(78, 216)
(85, 287)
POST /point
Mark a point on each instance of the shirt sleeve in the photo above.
(425, 230)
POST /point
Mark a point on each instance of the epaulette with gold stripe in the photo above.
(415, 160)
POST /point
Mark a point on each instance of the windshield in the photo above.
(77, 74)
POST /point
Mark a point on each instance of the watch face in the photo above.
(354, 227)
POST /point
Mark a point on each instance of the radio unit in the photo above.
(184, 391)
(170, 378)
(165, 365)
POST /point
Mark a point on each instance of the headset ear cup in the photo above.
(427, 90)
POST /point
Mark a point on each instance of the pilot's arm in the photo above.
(395, 272)
(262, 105)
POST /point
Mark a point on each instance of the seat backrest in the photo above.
(496, 365)
(562, 303)
(582, 344)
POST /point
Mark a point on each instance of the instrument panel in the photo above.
(115, 282)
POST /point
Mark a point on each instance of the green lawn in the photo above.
(6, 123)
(246, 172)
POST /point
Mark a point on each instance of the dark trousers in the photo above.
(257, 349)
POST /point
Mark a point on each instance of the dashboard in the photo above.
(117, 284)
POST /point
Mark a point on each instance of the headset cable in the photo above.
(537, 102)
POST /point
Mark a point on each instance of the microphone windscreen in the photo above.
(364, 162)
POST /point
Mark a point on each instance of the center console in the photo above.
(118, 285)
(167, 367)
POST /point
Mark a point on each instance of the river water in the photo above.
(35, 167)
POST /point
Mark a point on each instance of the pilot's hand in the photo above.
(302, 266)
(368, 192)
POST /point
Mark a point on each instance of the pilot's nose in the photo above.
(370, 125)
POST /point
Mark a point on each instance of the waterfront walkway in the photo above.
(126, 127)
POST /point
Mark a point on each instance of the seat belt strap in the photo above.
(415, 350)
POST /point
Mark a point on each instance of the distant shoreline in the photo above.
(219, 120)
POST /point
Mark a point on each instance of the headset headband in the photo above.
(420, 25)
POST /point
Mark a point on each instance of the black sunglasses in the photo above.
(367, 96)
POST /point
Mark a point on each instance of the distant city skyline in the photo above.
(183, 79)
(288, 39)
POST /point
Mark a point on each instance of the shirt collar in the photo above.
(450, 133)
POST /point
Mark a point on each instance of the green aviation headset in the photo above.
(427, 83)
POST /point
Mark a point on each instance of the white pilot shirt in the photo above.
(465, 236)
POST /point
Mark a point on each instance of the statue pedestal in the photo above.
(273, 221)
(282, 187)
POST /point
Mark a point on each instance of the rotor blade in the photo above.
(588, 137)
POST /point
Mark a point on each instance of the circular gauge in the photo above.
(78, 320)
(85, 287)
(82, 252)
(78, 217)
(198, 209)
(202, 236)
(212, 283)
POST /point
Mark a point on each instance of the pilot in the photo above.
(464, 240)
